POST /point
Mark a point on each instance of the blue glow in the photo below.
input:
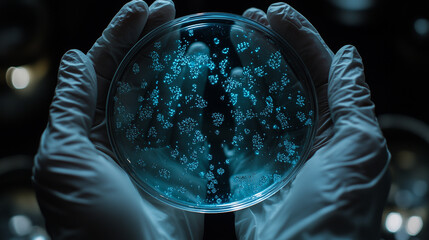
(201, 109)
(421, 26)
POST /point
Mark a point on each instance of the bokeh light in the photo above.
(393, 222)
(18, 78)
(414, 225)
(421, 26)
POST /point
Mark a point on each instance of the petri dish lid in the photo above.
(211, 113)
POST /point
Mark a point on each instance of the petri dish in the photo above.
(211, 113)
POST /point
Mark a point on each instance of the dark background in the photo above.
(391, 36)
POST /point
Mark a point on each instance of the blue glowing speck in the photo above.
(275, 60)
(213, 79)
(257, 141)
(301, 116)
(300, 101)
(187, 125)
(157, 45)
(136, 68)
(241, 47)
(164, 173)
(218, 119)
(234, 98)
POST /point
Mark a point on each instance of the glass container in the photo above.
(211, 113)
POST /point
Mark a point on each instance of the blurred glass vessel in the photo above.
(211, 113)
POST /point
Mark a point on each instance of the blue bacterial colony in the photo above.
(209, 116)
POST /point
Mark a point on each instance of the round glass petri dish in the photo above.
(211, 113)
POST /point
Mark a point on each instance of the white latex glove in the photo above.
(341, 190)
(82, 192)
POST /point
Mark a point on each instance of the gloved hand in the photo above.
(82, 192)
(341, 190)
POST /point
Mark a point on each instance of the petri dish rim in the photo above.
(294, 62)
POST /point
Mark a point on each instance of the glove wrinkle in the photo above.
(324, 129)
(73, 97)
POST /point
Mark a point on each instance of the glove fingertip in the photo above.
(76, 62)
(280, 12)
(257, 15)
(136, 11)
(346, 55)
(167, 7)
(137, 6)
(277, 7)
(119, 36)
(70, 56)
(346, 69)
(74, 56)
(304, 38)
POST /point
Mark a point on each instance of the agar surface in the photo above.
(212, 126)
